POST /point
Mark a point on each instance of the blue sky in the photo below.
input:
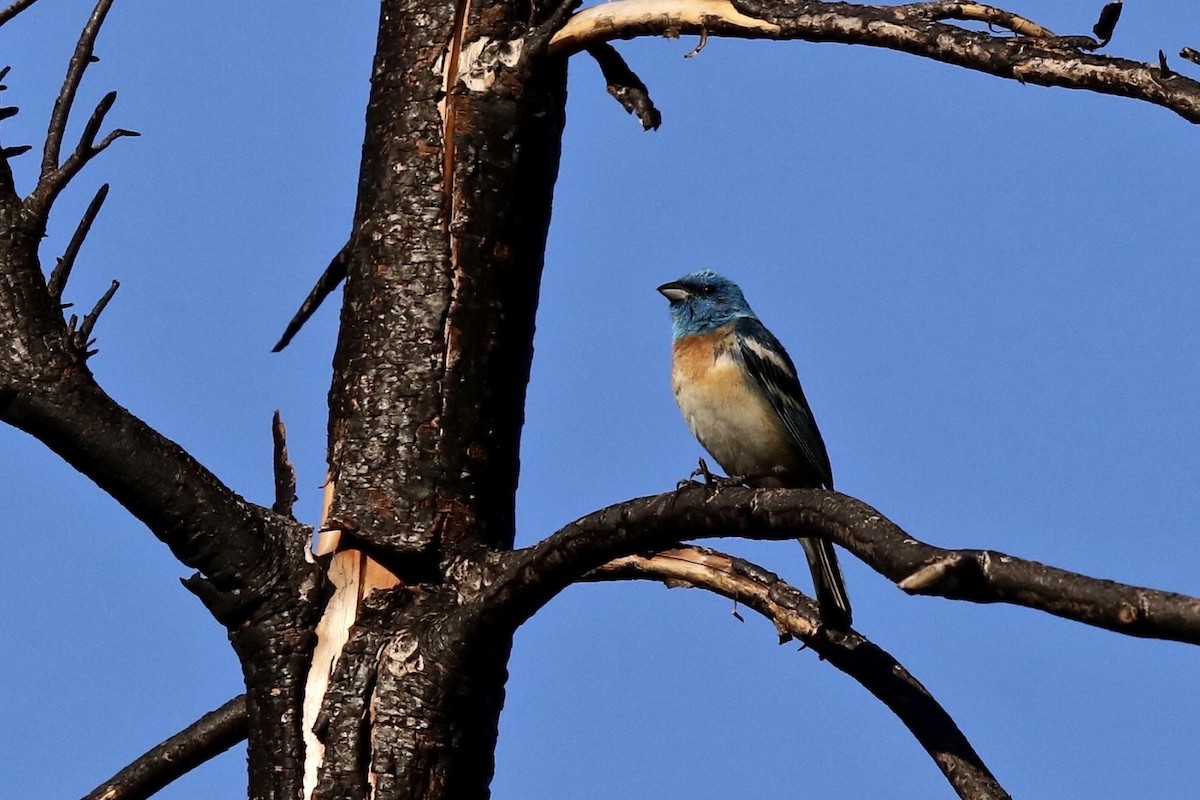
(989, 289)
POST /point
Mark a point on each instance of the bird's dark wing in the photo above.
(769, 366)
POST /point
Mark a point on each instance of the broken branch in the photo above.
(625, 86)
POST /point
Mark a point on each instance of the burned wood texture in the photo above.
(275, 650)
(530, 577)
(443, 269)
(437, 322)
(385, 402)
(797, 616)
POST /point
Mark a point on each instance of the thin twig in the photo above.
(796, 615)
(1163, 66)
(334, 274)
(83, 337)
(285, 473)
(80, 59)
(62, 270)
(203, 740)
(113, 135)
(15, 8)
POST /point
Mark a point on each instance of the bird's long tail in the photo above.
(830, 587)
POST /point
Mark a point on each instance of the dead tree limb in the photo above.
(796, 615)
(528, 578)
(1035, 57)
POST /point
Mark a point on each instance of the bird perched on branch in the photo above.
(739, 393)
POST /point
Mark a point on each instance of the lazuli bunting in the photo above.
(739, 393)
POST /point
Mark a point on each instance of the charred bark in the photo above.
(437, 321)
(461, 155)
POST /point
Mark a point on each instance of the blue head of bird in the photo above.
(704, 301)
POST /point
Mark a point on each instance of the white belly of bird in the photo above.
(735, 423)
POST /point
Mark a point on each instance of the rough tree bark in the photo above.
(377, 669)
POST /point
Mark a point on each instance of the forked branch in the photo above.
(55, 176)
(83, 56)
(1035, 56)
(245, 551)
(530, 577)
(795, 615)
(53, 182)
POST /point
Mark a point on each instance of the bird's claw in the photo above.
(701, 471)
(710, 480)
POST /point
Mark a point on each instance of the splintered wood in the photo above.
(353, 575)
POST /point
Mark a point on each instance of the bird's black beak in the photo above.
(674, 291)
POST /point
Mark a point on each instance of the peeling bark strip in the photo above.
(910, 28)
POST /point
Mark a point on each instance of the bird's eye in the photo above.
(708, 289)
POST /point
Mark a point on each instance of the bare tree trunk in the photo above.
(428, 394)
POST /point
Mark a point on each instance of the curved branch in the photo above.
(244, 550)
(203, 740)
(46, 390)
(528, 578)
(1032, 58)
(795, 615)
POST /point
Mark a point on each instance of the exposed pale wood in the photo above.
(627, 18)
(354, 575)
